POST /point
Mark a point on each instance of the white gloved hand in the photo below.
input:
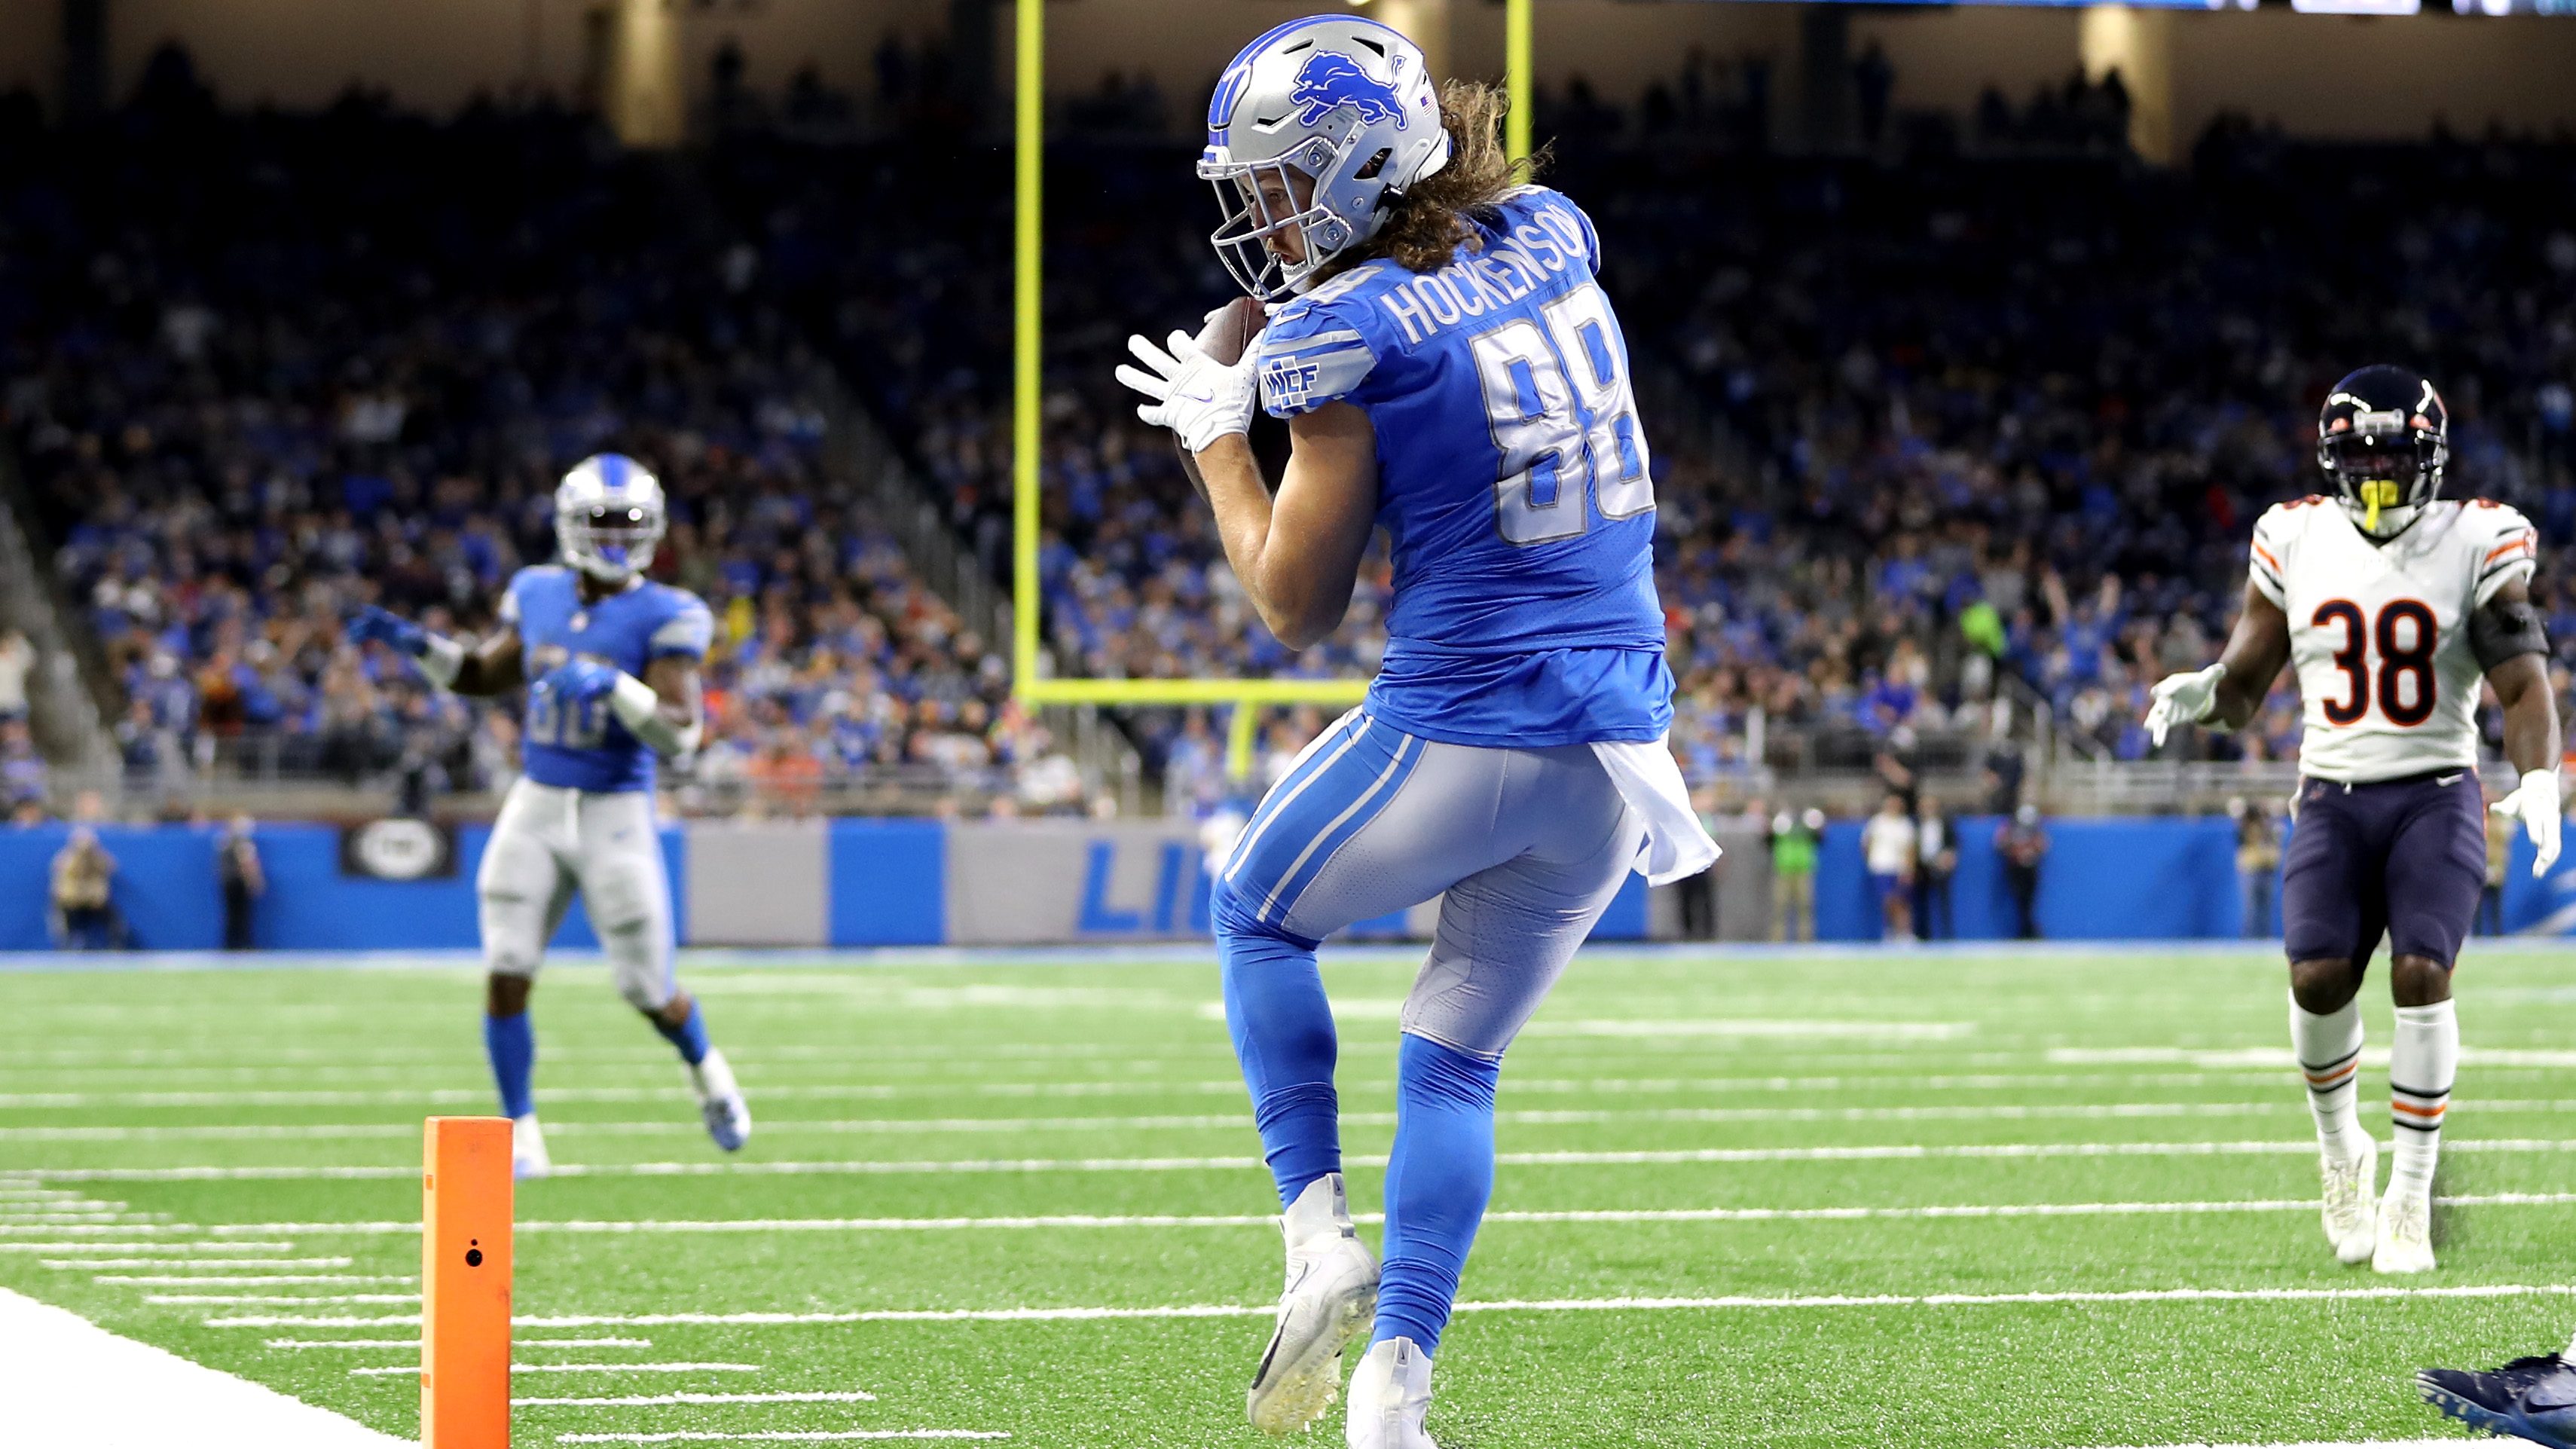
(2182, 699)
(2535, 804)
(1193, 394)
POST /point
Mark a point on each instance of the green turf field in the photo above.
(2047, 1199)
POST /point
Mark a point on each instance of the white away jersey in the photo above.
(2380, 633)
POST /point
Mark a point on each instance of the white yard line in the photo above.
(247, 1280)
(621, 1226)
(182, 1299)
(457, 1096)
(88, 1263)
(1518, 1305)
(781, 1437)
(2360, 1444)
(951, 1126)
(580, 1368)
(102, 1390)
(606, 1401)
(84, 1245)
(412, 1342)
(65, 1231)
(1888, 1151)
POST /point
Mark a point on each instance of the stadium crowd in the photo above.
(262, 368)
(1909, 443)
(1926, 433)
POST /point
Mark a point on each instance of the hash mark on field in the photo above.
(819, 1396)
(582, 1368)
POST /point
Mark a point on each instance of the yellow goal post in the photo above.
(1029, 683)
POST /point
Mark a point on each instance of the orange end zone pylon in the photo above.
(465, 1283)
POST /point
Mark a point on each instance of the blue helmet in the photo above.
(609, 514)
(1342, 105)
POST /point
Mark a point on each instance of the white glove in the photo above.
(2535, 804)
(2184, 699)
(1196, 396)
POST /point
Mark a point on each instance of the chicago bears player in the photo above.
(2530, 1398)
(2392, 602)
(1450, 371)
(614, 662)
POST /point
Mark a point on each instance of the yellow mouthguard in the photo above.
(2376, 494)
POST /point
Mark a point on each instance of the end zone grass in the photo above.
(2045, 1199)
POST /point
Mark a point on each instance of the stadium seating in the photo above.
(1926, 433)
(267, 367)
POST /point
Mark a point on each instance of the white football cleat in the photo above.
(1390, 1397)
(1331, 1298)
(2352, 1225)
(2405, 1233)
(528, 1148)
(720, 1101)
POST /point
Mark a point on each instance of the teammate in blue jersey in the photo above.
(1451, 372)
(611, 661)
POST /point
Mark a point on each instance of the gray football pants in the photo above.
(1525, 847)
(549, 842)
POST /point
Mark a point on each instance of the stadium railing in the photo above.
(67, 713)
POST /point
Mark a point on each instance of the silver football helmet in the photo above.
(1335, 101)
(608, 516)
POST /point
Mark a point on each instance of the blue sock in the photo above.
(1437, 1184)
(689, 1036)
(1283, 1035)
(511, 1042)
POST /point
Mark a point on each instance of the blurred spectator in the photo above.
(1697, 894)
(85, 914)
(244, 880)
(22, 770)
(17, 661)
(2258, 863)
(1887, 845)
(1938, 854)
(1793, 874)
(2022, 842)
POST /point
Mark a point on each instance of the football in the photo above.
(1229, 330)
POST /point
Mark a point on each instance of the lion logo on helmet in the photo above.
(1330, 80)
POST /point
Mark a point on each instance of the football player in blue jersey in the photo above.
(1451, 372)
(611, 662)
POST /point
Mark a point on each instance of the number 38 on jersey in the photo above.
(2379, 631)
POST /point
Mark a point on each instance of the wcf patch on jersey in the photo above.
(1288, 382)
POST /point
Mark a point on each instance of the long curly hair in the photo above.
(1426, 224)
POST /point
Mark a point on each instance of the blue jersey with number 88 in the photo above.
(582, 746)
(1513, 481)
